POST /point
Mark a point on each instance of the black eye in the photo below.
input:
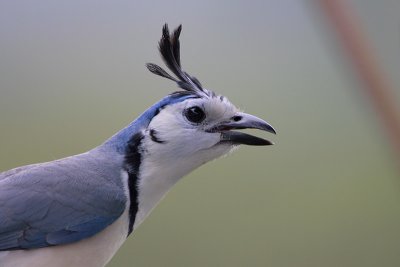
(195, 114)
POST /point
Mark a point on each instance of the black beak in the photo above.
(244, 121)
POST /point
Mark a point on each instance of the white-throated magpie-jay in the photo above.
(78, 211)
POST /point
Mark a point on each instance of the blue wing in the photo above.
(58, 202)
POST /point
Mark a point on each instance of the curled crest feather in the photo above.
(169, 48)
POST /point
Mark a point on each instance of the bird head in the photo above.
(187, 128)
(179, 133)
(198, 123)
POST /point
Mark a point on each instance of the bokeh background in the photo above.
(327, 194)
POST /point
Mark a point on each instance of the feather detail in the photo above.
(159, 71)
(169, 48)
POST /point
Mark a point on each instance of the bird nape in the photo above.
(78, 211)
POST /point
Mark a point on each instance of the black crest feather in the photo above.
(159, 71)
(169, 48)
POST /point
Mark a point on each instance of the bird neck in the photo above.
(159, 170)
(150, 175)
(126, 143)
(156, 177)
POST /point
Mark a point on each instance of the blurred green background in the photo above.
(327, 194)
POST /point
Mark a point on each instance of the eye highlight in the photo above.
(194, 114)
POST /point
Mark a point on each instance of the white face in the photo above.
(176, 142)
(182, 130)
(185, 135)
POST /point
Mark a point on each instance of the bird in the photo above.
(79, 210)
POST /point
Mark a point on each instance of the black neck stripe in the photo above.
(154, 137)
(133, 159)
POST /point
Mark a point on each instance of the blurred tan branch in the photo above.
(375, 83)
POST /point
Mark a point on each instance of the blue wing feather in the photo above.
(78, 232)
(59, 202)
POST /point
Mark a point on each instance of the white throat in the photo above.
(160, 171)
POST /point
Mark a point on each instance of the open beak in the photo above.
(244, 121)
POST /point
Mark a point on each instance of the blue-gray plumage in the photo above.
(60, 202)
(87, 199)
